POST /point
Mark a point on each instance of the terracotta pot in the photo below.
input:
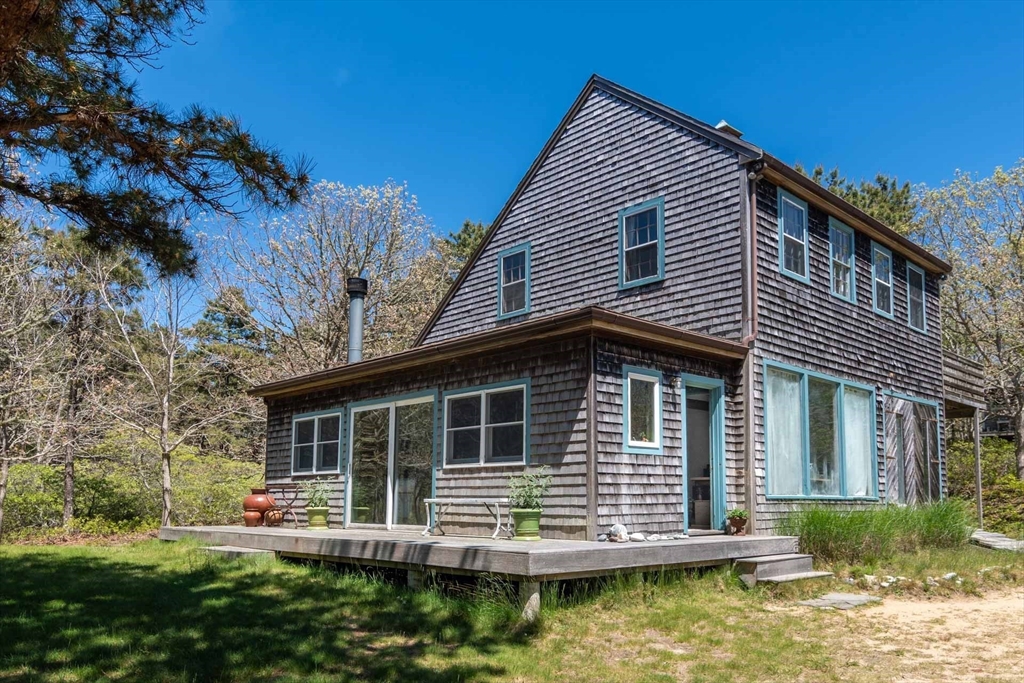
(738, 526)
(273, 517)
(257, 502)
(252, 517)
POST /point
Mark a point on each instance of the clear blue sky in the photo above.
(457, 99)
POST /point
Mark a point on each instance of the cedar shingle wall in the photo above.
(806, 326)
(645, 492)
(613, 156)
(558, 373)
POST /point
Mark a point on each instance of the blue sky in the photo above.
(456, 99)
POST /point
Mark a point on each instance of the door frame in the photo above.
(939, 442)
(391, 403)
(716, 440)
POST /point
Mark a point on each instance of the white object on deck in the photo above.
(441, 506)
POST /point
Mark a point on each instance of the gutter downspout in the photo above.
(750, 233)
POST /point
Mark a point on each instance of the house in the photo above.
(672, 320)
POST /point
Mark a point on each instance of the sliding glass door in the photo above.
(390, 461)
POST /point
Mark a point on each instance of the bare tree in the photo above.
(292, 270)
(978, 226)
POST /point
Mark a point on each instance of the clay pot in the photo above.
(252, 517)
(258, 502)
(738, 526)
(273, 517)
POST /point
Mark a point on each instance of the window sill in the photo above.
(849, 300)
(470, 465)
(641, 283)
(513, 314)
(643, 450)
(888, 316)
(811, 499)
(315, 473)
(794, 276)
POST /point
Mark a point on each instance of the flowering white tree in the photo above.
(292, 270)
(977, 225)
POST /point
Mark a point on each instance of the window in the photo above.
(881, 276)
(793, 249)
(820, 435)
(514, 281)
(642, 244)
(915, 298)
(844, 274)
(641, 410)
(315, 443)
(487, 425)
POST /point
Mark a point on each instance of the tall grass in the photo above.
(833, 534)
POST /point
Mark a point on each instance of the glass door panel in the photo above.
(371, 442)
(414, 454)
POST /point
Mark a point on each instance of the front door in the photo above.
(390, 463)
(703, 457)
(912, 461)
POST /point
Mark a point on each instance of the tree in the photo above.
(464, 242)
(977, 225)
(292, 271)
(71, 263)
(127, 169)
(884, 199)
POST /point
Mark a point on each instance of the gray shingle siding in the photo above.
(805, 325)
(612, 156)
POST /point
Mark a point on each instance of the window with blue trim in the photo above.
(820, 435)
(642, 244)
(793, 240)
(315, 443)
(514, 281)
(881, 277)
(486, 426)
(642, 409)
(841, 261)
(916, 316)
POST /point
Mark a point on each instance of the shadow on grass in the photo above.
(165, 615)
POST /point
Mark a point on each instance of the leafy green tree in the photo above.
(884, 198)
(127, 170)
(464, 242)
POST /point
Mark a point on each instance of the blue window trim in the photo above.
(833, 224)
(938, 442)
(876, 247)
(346, 440)
(301, 417)
(717, 389)
(524, 247)
(805, 420)
(527, 405)
(806, 278)
(658, 202)
(924, 298)
(659, 406)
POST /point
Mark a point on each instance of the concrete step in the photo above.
(798, 576)
(763, 567)
(234, 552)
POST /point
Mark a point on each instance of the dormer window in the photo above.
(793, 249)
(642, 244)
(514, 281)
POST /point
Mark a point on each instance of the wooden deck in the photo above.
(546, 560)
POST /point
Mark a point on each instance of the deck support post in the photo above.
(977, 468)
(414, 579)
(529, 599)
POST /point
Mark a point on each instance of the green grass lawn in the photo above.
(167, 612)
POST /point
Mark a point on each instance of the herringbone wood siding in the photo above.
(611, 156)
(804, 325)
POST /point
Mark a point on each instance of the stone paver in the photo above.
(840, 601)
(990, 539)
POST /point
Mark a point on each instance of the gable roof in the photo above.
(777, 171)
(588, 320)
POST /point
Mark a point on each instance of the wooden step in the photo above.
(763, 567)
(798, 576)
(234, 552)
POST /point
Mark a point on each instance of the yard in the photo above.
(160, 612)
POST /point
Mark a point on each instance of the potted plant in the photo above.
(526, 493)
(738, 521)
(317, 494)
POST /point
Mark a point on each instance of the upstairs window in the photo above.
(514, 281)
(793, 245)
(840, 239)
(315, 444)
(642, 244)
(642, 410)
(881, 275)
(915, 298)
(487, 425)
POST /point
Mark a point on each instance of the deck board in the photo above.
(540, 560)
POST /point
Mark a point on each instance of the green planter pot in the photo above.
(527, 524)
(361, 515)
(317, 517)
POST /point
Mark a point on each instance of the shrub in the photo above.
(1004, 506)
(866, 536)
(997, 461)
